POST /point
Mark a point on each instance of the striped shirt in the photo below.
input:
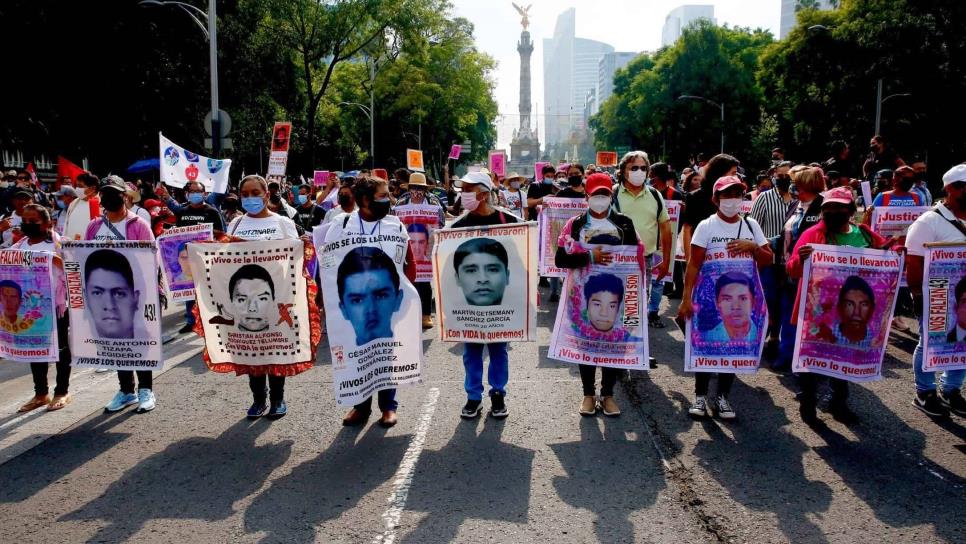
(769, 211)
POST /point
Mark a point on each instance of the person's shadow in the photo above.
(472, 477)
(609, 476)
(195, 478)
(762, 467)
(321, 489)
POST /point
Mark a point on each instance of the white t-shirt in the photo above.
(142, 213)
(105, 233)
(272, 227)
(15, 221)
(515, 202)
(599, 231)
(714, 233)
(387, 225)
(931, 227)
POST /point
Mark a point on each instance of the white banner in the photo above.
(179, 166)
(891, 221)
(421, 221)
(554, 214)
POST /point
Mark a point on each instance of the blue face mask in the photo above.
(196, 198)
(60, 204)
(253, 204)
(548, 181)
(301, 199)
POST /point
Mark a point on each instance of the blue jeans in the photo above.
(387, 401)
(189, 318)
(926, 381)
(654, 299)
(499, 372)
(786, 345)
(770, 277)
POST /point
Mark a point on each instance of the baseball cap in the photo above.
(115, 183)
(727, 181)
(838, 195)
(418, 179)
(955, 174)
(66, 190)
(476, 178)
(598, 181)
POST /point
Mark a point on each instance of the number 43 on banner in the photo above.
(414, 160)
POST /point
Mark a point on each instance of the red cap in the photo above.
(727, 181)
(598, 181)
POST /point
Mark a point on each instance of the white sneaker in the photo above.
(724, 409)
(146, 401)
(101, 370)
(700, 407)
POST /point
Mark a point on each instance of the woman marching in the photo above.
(599, 228)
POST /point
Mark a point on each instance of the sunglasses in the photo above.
(636, 168)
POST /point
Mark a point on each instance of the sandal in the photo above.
(59, 402)
(34, 403)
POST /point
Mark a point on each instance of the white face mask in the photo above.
(469, 201)
(599, 203)
(637, 177)
(729, 207)
(514, 184)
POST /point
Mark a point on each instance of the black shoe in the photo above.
(186, 329)
(257, 410)
(842, 413)
(543, 283)
(953, 401)
(498, 406)
(929, 403)
(471, 410)
(652, 362)
(278, 410)
(806, 410)
(653, 320)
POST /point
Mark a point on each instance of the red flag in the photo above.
(67, 169)
(33, 174)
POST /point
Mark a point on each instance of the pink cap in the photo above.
(838, 195)
(727, 181)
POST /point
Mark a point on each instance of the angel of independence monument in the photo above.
(525, 146)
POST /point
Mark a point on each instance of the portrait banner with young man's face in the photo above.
(251, 299)
(600, 319)
(112, 297)
(486, 283)
(420, 220)
(848, 296)
(372, 312)
(944, 308)
(730, 322)
(28, 323)
(554, 214)
(173, 247)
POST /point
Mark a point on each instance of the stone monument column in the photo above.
(525, 48)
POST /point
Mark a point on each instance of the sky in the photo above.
(628, 25)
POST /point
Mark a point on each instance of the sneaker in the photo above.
(257, 409)
(700, 407)
(724, 409)
(929, 403)
(146, 401)
(588, 406)
(609, 407)
(471, 410)
(277, 410)
(954, 401)
(121, 401)
(186, 329)
(498, 408)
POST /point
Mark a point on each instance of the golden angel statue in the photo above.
(524, 12)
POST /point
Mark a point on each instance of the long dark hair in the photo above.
(718, 166)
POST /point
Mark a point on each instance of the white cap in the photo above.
(476, 178)
(956, 173)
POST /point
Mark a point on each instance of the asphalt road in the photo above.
(195, 470)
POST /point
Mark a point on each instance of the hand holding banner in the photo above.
(173, 245)
(28, 322)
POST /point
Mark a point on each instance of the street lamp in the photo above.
(713, 103)
(211, 34)
(372, 127)
(880, 101)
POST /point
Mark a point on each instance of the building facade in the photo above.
(680, 18)
(789, 14)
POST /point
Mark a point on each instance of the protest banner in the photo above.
(538, 170)
(485, 282)
(497, 162)
(944, 308)
(320, 178)
(554, 214)
(381, 173)
(606, 159)
(600, 320)
(454, 152)
(278, 158)
(173, 247)
(421, 221)
(414, 160)
(28, 314)
(112, 297)
(848, 298)
(746, 206)
(866, 193)
(372, 311)
(730, 321)
(179, 166)
(891, 221)
(251, 299)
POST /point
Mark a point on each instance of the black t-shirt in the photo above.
(670, 193)
(190, 216)
(697, 208)
(567, 192)
(498, 217)
(309, 216)
(539, 190)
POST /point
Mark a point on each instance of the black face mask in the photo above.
(31, 230)
(835, 220)
(344, 201)
(112, 201)
(379, 209)
(575, 181)
(906, 183)
(783, 183)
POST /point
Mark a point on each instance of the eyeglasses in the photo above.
(636, 168)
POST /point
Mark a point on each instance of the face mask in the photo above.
(835, 220)
(60, 204)
(301, 199)
(344, 201)
(906, 183)
(794, 190)
(637, 177)
(112, 201)
(575, 181)
(253, 204)
(31, 230)
(547, 181)
(599, 203)
(469, 201)
(514, 184)
(783, 183)
(379, 208)
(196, 198)
(4, 184)
(729, 207)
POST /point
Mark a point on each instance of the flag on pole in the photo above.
(67, 169)
(33, 174)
